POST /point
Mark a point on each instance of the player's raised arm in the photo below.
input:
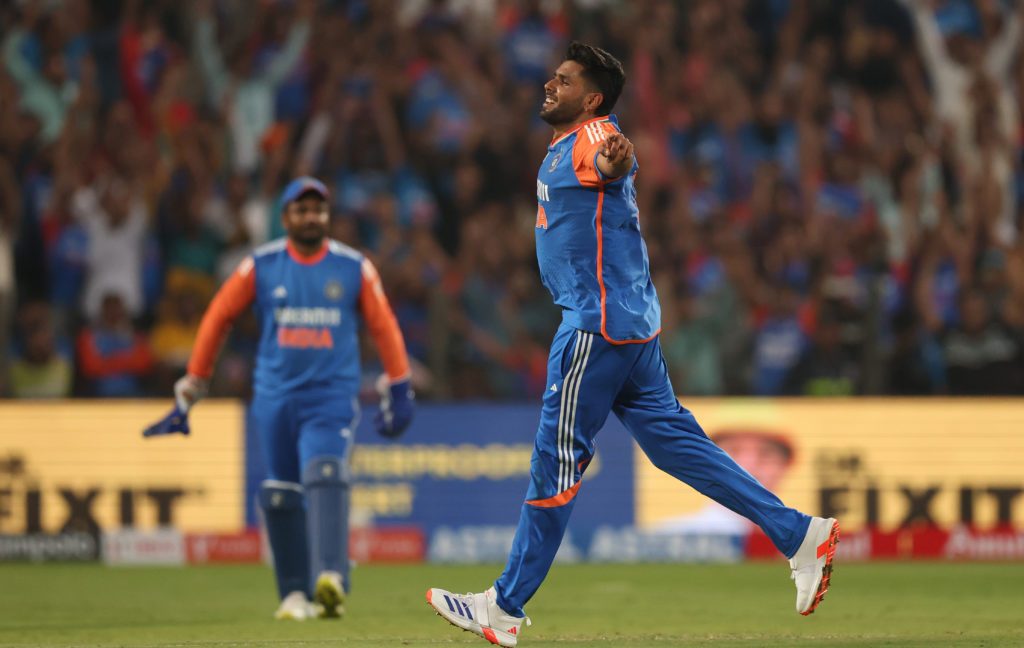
(615, 156)
(396, 401)
(601, 154)
(234, 296)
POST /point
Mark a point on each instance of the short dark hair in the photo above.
(600, 69)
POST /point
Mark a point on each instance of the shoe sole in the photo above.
(826, 570)
(329, 598)
(485, 633)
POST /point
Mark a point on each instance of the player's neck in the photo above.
(562, 129)
(307, 249)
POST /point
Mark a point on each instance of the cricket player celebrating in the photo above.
(308, 292)
(606, 357)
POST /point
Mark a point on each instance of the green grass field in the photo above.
(908, 604)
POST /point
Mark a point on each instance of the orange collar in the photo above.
(578, 126)
(298, 257)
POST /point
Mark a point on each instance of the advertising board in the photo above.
(935, 478)
(83, 466)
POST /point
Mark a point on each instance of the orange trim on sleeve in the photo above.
(381, 322)
(558, 500)
(237, 293)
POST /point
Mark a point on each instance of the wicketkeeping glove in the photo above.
(188, 390)
(175, 422)
(396, 406)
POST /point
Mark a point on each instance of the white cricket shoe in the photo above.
(295, 606)
(329, 595)
(479, 614)
(812, 563)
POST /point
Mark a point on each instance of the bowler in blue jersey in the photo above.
(606, 358)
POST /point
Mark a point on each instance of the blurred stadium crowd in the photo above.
(830, 190)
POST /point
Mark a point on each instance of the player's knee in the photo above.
(326, 470)
(280, 496)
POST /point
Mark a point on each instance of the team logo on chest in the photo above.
(555, 159)
(333, 290)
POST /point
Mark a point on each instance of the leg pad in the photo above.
(326, 480)
(285, 516)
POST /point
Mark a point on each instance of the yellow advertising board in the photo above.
(883, 463)
(79, 465)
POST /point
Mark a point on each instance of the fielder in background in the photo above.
(606, 357)
(308, 292)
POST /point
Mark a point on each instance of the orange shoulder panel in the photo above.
(383, 326)
(584, 150)
(233, 297)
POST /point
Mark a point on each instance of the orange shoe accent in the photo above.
(489, 635)
(827, 549)
(823, 548)
(428, 597)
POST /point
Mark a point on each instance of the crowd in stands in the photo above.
(830, 190)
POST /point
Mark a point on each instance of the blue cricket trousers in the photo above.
(294, 427)
(588, 377)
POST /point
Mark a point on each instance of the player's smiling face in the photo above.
(564, 95)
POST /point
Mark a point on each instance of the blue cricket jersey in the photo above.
(592, 256)
(307, 310)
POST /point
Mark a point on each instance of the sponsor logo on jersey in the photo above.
(306, 328)
(280, 292)
(287, 315)
(333, 290)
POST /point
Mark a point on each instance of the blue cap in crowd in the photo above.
(302, 185)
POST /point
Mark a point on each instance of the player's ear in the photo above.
(592, 101)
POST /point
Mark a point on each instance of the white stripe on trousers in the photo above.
(567, 410)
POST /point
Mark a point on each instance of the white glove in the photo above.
(188, 390)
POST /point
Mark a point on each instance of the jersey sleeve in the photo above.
(383, 326)
(237, 293)
(584, 153)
